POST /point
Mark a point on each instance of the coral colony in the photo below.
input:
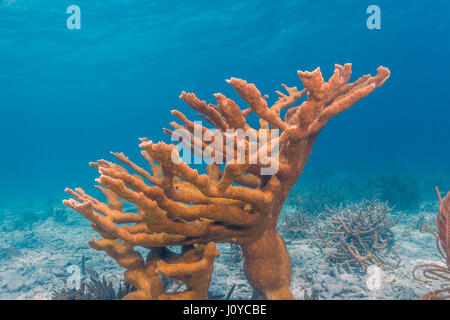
(237, 201)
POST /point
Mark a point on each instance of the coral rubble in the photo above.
(360, 235)
(176, 206)
(295, 223)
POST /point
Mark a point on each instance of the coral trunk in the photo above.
(267, 266)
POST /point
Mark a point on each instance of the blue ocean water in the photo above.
(68, 97)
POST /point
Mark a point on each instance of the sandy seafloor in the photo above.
(47, 247)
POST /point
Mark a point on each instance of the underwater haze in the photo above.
(70, 96)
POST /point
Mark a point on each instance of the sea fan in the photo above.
(443, 224)
(434, 271)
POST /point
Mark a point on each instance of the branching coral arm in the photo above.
(326, 100)
(194, 268)
(140, 275)
(142, 239)
(117, 180)
(257, 103)
(286, 101)
(162, 153)
(212, 114)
